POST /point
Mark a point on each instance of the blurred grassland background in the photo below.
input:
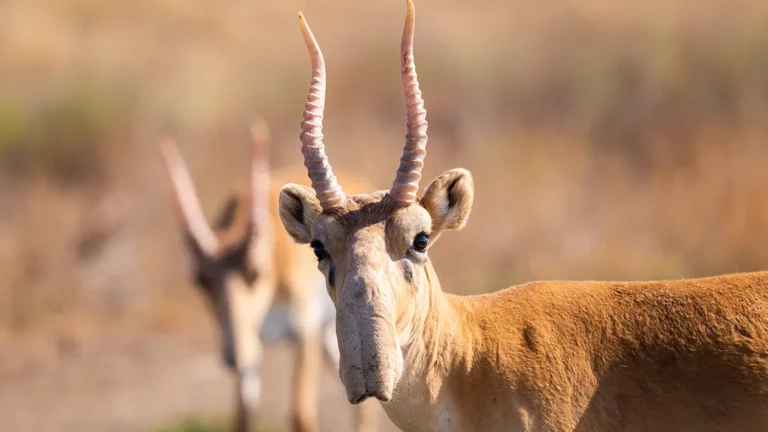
(609, 139)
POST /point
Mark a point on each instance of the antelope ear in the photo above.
(448, 200)
(298, 209)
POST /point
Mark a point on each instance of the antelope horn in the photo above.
(258, 187)
(323, 181)
(187, 201)
(406, 183)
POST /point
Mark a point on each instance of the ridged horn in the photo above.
(258, 187)
(326, 187)
(187, 201)
(406, 184)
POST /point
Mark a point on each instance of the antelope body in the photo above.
(259, 282)
(685, 355)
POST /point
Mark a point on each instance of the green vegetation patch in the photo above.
(204, 423)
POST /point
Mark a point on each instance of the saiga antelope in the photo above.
(256, 278)
(685, 355)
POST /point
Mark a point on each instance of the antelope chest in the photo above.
(416, 418)
(414, 409)
(450, 407)
(445, 417)
(278, 324)
(286, 320)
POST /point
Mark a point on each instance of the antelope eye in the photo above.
(420, 242)
(318, 249)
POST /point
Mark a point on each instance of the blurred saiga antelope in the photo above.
(684, 355)
(260, 285)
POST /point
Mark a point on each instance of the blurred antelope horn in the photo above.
(406, 183)
(259, 176)
(187, 201)
(326, 187)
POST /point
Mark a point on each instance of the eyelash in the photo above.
(332, 276)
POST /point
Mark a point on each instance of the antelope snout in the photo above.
(374, 382)
(370, 361)
(356, 399)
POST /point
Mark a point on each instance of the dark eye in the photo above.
(318, 249)
(420, 242)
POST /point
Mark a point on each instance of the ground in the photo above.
(141, 382)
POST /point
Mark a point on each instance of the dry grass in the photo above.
(609, 139)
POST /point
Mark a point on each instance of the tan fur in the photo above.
(285, 274)
(684, 355)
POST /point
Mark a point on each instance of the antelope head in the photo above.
(230, 260)
(373, 249)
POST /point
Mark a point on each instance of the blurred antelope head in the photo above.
(231, 260)
(259, 282)
(373, 248)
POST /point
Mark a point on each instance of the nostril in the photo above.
(378, 395)
(229, 359)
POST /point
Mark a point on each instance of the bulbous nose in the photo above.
(366, 336)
